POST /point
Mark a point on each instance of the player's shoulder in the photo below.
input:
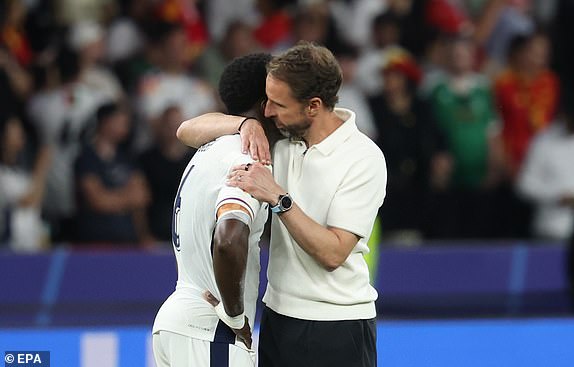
(229, 147)
(229, 140)
(224, 143)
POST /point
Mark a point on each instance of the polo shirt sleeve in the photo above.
(359, 197)
(234, 195)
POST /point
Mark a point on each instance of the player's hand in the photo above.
(257, 180)
(243, 334)
(254, 141)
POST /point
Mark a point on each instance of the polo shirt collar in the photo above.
(341, 134)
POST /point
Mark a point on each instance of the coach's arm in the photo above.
(329, 246)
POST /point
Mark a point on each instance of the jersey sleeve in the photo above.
(359, 197)
(234, 195)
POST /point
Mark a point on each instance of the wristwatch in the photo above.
(284, 204)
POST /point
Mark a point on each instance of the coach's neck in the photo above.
(323, 124)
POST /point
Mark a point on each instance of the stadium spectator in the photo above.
(187, 15)
(527, 95)
(152, 48)
(111, 191)
(124, 38)
(15, 84)
(353, 19)
(415, 30)
(162, 164)
(408, 135)
(318, 290)
(350, 94)
(446, 17)
(170, 82)
(500, 22)
(219, 16)
(276, 23)
(314, 23)
(547, 178)
(62, 115)
(237, 41)
(12, 31)
(463, 107)
(385, 35)
(21, 191)
(88, 40)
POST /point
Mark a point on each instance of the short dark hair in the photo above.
(310, 71)
(105, 111)
(157, 32)
(242, 83)
(68, 63)
(517, 44)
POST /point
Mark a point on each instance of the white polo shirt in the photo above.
(340, 182)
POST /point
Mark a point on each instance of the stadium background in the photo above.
(472, 297)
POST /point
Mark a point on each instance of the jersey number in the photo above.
(176, 210)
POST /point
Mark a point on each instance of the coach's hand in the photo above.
(243, 334)
(257, 180)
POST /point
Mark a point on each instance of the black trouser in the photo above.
(288, 342)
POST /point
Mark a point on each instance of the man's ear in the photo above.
(314, 106)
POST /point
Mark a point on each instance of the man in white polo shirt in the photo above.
(329, 183)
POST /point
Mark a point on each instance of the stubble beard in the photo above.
(296, 130)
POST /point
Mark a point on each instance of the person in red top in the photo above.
(527, 95)
(188, 15)
(276, 24)
(12, 35)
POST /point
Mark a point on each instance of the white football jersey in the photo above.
(201, 192)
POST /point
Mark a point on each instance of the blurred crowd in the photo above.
(470, 100)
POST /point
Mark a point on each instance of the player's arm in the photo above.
(230, 247)
(202, 129)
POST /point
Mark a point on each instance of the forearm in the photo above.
(114, 202)
(200, 130)
(20, 81)
(330, 247)
(229, 263)
(319, 242)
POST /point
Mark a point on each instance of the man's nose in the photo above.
(267, 109)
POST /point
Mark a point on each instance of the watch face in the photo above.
(286, 202)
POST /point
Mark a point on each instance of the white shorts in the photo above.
(176, 350)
